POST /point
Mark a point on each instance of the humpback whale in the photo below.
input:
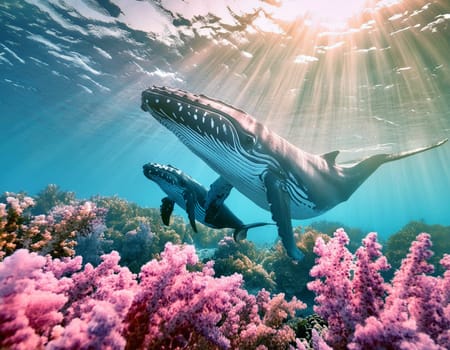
(266, 168)
(191, 196)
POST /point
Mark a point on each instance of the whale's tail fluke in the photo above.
(359, 172)
(400, 155)
(240, 233)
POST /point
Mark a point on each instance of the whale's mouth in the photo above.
(152, 97)
(159, 172)
(155, 170)
(150, 171)
(190, 116)
(177, 102)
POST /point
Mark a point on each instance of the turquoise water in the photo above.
(72, 72)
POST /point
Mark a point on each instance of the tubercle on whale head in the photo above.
(154, 171)
(159, 92)
(162, 92)
(149, 170)
(148, 96)
(157, 169)
(211, 116)
(176, 107)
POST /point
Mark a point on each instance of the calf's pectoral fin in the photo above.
(280, 207)
(218, 192)
(166, 210)
(190, 199)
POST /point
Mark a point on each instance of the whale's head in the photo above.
(161, 173)
(203, 124)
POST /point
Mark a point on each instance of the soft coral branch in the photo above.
(56, 304)
(333, 288)
(363, 312)
(53, 233)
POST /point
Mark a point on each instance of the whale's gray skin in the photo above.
(191, 196)
(263, 166)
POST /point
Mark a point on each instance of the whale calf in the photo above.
(191, 196)
(266, 168)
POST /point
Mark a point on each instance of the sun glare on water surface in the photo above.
(329, 14)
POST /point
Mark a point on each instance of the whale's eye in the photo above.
(248, 141)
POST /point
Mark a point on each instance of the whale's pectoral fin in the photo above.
(218, 192)
(189, 199)
(166, 210)
(280, 206)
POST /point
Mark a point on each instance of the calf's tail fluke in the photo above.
(241, 232)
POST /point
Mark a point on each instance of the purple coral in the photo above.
(30, 301)
(177, 308)
(271, 329)
(173, 307)
(54, 304)
(369, 289)
(333, 288)
(412, 311)
(177, 302)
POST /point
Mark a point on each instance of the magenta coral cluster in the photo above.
(54, 304)
(364, 312)
(177, 302)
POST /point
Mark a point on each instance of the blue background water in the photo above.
(71, 75)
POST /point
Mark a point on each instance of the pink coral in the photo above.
(271, 330)
(30, 301)
(414, 313)
(176, 308)
(175, 302)
(54, 304)
(54, 233)
(333, 287)
(369, 289)
(414, 309)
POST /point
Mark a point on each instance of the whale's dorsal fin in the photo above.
(330, 157)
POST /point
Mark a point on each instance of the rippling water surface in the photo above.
(361, 77)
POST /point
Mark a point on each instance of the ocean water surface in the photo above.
(363, 78)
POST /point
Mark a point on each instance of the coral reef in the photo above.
(163, 296)
(351, 297)
(52, 196)
(92, 244)
(53, 233)
(398, 244)
(138, 233)
(291, 278)
(272, 268)
(242, 257)
(123, 216)
(328, 228)
(54, 304)
(304, 327)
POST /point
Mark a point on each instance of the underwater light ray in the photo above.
(332, 83)
(409, 84)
